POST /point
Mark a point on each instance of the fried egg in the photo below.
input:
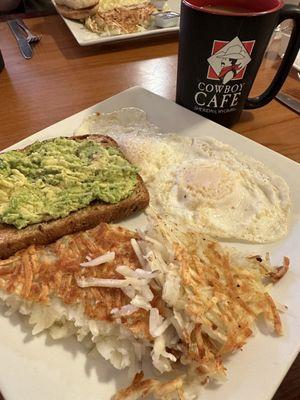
(200, 183)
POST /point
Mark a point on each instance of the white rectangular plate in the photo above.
(39, 368)
(84, 37)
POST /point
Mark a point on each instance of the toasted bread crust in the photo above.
(81, 13)
(13, 239)
(77, 4)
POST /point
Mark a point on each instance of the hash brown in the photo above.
(208, 297)
(121, 20)
(41, 273)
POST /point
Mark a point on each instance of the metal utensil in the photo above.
(31, 37)
(24, 45)
(289, 101)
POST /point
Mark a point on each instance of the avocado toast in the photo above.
(64, 185)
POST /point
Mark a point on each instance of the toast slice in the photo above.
(13, 239)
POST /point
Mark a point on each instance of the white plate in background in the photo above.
(84, 37)
(38, 368)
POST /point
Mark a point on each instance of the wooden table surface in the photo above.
(63, 78)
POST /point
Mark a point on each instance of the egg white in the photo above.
(201, 183)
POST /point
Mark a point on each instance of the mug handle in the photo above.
(289, 11)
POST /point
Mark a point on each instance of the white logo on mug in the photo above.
(229, 60)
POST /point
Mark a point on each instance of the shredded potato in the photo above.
(180, 298)
(121, 20)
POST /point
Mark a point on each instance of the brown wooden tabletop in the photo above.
(63, 78)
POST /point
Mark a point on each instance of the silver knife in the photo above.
(25, 47)
(289, 101)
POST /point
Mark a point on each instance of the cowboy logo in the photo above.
(229, 60)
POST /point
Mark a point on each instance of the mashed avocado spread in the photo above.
(50, 179)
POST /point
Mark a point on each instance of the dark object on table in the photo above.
(42, 7)
(1, 62)
(19, 7)
(8, 5)
(28, 9)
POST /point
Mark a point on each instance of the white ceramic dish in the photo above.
(38, 368)
(85, 38)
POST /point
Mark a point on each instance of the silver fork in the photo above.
(31, 37)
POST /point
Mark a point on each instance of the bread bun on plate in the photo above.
(77, 4)
(75, 12)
